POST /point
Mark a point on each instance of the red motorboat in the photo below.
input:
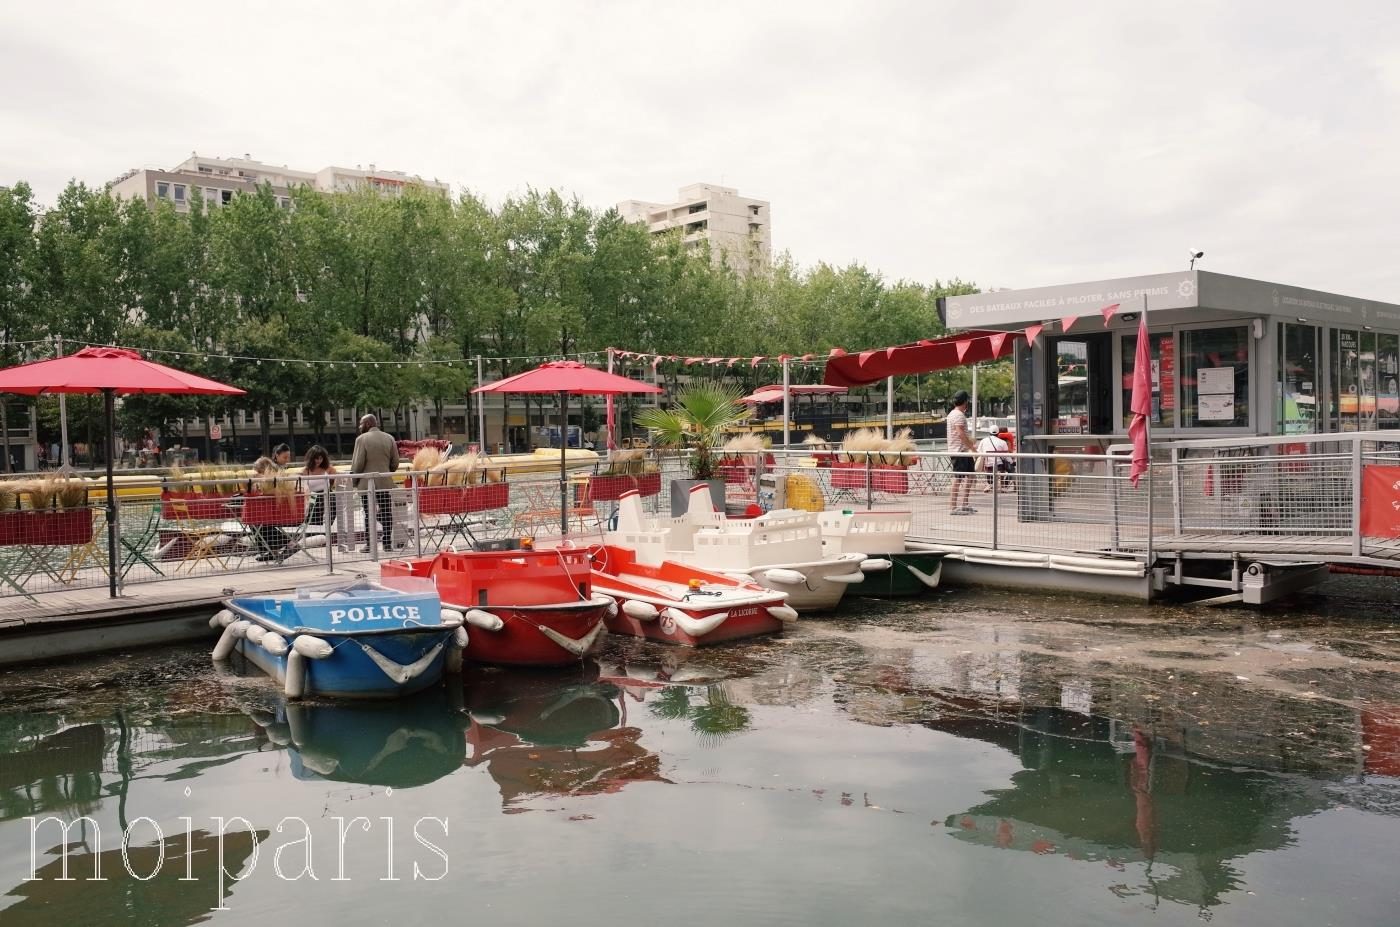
(682, 604)
(522, 607)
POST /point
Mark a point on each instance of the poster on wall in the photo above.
(1168, 373)
(1216, 408)
(1214, 381)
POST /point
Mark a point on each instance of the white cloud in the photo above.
(1008, 143)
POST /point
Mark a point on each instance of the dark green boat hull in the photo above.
(898, 581)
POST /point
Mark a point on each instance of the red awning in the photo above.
(866, 367)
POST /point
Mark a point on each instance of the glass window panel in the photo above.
(1215, 377)
(1366, 382)
(1163, 348)
(1069, 393)
(1297, 387)
(1346, 377)
(1387, 377)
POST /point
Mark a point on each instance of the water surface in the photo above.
(969, 758)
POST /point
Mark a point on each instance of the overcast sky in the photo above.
(1010, 144)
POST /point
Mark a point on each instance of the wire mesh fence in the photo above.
(1298, 495)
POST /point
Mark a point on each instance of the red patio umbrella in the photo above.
(112, 372)
(567, 378)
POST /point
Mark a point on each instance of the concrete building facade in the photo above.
(738, 228)
(216, 181)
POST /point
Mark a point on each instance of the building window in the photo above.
(1162, 346)
(162, 190)
(1298, 380)
(753, 210)
(179, 193)
(226, 196)
(211, 196)
(1388, 381)
(284, 202)
(694, 227)
(205, 169)
(1215, 377)
(698, 207)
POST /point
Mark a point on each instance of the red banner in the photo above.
(1380, 502)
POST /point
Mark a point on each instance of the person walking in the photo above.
(376, 453)
(960, 449)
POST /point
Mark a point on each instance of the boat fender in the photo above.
(452, 663)
(695, 627)
(401, 673)
(875, 565)
(451, 616)
(642, 611)
(274, 643)
(240, 627)
(279, 734)
(221, 619)
(930, 580)
(294, 686)
(459, 638)
(784, 576)
(322, 764)
(255, 633)
(478, 618)
(847, 578)
(783, 613)
(612, 606)
(224, 648)
(578, 647)
(313, 648)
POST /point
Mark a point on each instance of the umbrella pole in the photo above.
(563, 463)
(109, 407)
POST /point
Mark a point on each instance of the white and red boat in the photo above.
(682, 604)
(524, 607)
(779, 550)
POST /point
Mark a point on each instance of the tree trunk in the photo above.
(5, 433)
(265, 429)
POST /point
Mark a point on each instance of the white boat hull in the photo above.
(823, 583)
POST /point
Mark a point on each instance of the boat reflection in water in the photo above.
(549, 733)
(399, 743)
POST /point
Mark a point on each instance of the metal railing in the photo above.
(1298, 496)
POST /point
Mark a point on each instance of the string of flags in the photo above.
(1030, 332)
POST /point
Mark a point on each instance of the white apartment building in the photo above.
(217, 180)
(738, 228)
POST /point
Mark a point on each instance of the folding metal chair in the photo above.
(134, 549)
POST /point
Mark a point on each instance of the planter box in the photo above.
(200, 507)
(850, 474)
(611, 488)
(69, 528)
(273, 511)
(456, 500)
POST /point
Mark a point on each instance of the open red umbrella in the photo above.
(112, 372)
(567, 378)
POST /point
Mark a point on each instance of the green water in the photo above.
(969, 759)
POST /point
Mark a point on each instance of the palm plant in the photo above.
(697, 420)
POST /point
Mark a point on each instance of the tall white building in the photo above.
(217, 180)
(738, 228)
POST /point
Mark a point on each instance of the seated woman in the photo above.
(272, 541)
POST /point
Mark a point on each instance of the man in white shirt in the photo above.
(960, 451)
(989, 459)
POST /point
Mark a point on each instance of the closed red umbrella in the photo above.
(112, 372)
(567, 378)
